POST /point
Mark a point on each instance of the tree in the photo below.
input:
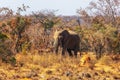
(47, 18)
(84, 16)
(5, 13)
(103, 18)
(109, 9)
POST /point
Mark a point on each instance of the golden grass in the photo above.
(56, 67)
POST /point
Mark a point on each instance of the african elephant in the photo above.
(68, 40)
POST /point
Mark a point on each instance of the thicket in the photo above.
(99, 39)
(24, 34)
(102, 28)
(12, 35)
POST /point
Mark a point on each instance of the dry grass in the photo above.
(49, 66)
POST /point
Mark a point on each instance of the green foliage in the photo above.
(3, 36)
(99, 38)
(12, 60)
(20, 24)
(19, 29)
(25, 47)
(49, 24)
(5, 53)
(14, 29)
(9, 23)
(46, 18)
(3, 24)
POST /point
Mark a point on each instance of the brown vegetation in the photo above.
(26, 48)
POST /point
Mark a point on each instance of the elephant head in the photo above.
(59, 39)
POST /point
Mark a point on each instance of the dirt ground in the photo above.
(49, 66)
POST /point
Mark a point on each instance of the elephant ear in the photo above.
(56, 34)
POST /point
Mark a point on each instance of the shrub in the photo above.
(5, 51)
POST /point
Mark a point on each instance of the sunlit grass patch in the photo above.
(55, 66)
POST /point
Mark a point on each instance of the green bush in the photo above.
(98, 38)
(5, 51)
(3, 24)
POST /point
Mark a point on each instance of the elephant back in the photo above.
(56, 33)
(72, 32)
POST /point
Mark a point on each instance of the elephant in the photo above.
(68, 40)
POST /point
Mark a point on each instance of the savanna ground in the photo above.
(49, 66)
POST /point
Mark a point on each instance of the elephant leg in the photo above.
(69, 51)
(56, 51)
(63, 51)
(75, 53)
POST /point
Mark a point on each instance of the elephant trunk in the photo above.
(56, 45)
